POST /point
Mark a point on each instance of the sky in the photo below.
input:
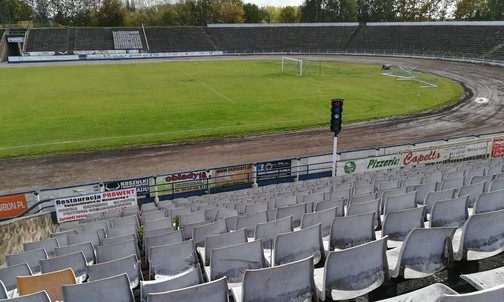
(279, 3)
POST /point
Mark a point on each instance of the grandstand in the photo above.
(423, 221)
(471, 39)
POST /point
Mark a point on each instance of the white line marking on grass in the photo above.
(360, 93)
(206, 86)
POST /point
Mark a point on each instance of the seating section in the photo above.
(463, 39)
(246, 245)
(127, 40)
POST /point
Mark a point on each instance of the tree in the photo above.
(288, 14)
(340, 11)
(111, 13)
(470, 10)
(252, 13)
(311, 11)
(231, 13)
(270, 14)
(13, 11)
(168, 15)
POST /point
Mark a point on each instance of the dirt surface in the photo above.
(465, 118)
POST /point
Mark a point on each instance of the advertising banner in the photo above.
(464, 151)
(498, 148)
(420, 157)
(141, 185)
(274, 169)
(12, 205)
(181, 182)
(78, 207)
(367, 165)
(236, 175)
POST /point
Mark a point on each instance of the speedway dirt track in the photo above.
(465, 118)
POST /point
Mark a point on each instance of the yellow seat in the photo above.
(50, 282)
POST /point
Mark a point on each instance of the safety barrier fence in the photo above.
(214, 180)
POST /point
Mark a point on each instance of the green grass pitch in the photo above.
(88, 107)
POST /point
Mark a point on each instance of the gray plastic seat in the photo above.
(327, 204)
(9, 274)
(422, 191)
(95, 226)
(188, 229)
(85, 247)
(123, 231)
(425, 294)
(192, 218)
(172, 259)
(354, 199)
(324, 217)
(115, 251)
(452, 183)
(352, 230)
(488, 202)
(344, 280)
(62, 234)
(256, 207)
(300, 244)
(448, 213)
(497, 184)
(485, 279)
(31, 258)
(124, 221)
(399, 202)
(186, 279)
(285, 201)
(114, 240)
(40, 296)
(414, 181)
(398, 224)
(432, 197)
(92, 237)
(158, 224)
(3, 291)
(222, 240)
(486, 295)
(201, 232)
(296, 211)
(223, 213)
(289, 282)
(423, 253)
(76, 261)
(391, 192)
(48, 244)
(129, 265)
(116, 288)
(214, 291)
(250, 221)
(473, 191)
(232, 261)
(481, 236)
(154, 215)
(366, 207)
(162, 239)
(364, 189)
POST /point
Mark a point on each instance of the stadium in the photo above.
(101, 181)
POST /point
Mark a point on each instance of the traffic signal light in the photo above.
(336, 115)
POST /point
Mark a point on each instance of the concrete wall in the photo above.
(26, 229)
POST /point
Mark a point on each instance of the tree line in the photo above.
(201, 12)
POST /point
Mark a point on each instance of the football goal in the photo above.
(292, 64)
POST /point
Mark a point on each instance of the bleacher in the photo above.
(449, 39)
(437, 228)
(127, 40)
(174, 39)
(46, 40)
(273, 38)
(473, 40)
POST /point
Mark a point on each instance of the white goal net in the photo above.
(297, 66)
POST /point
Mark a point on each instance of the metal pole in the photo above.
(334, 155)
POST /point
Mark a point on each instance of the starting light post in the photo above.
(336, 119)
